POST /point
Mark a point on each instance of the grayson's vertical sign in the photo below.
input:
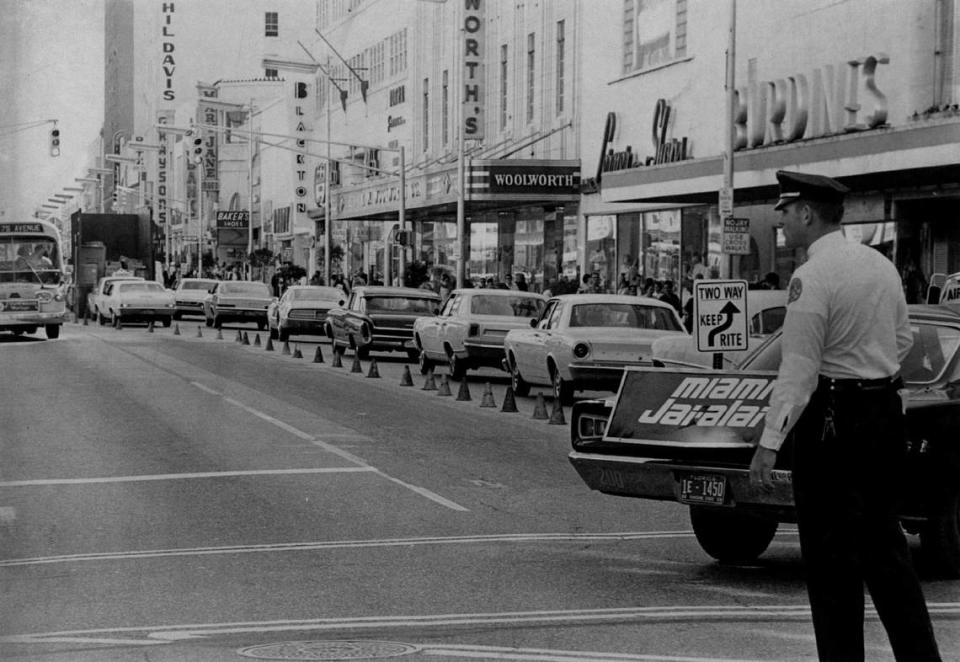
(473, 69)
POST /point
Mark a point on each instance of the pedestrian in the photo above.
(845, 335)
(669, 296)
(521, 281)
(508, 282)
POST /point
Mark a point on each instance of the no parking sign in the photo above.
(720, 315)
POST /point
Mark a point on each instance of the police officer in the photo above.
(845, 334)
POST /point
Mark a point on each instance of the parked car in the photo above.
(766, 310)
(303, 310)
(470, 329)
(96, 295)
(237, 300)
(137, 301)
(584, 341)
(189, 296)
(380, 318)
(688, 436)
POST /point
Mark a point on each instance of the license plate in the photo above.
(703, 488)
(18, 306)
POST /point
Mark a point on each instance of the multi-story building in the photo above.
(864, 90)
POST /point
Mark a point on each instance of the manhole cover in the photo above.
(328, 650)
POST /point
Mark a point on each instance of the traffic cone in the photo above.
(286, 348)
(373, 372)
(269, 346)
(176, 329)
(430, 384)
(256, 340)
(246, 339)
(463, 395)
(406, 379)
(150, 326)
(337, 362)
(509, 401)
(119, 324)
(356, 367)
(444, 388)
(219, 334)
(556, 416)
(318, 356)
(487, 399)
(296, 352)
(540, 410)
(199, 332)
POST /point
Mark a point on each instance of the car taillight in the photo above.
(473, 330)
(581, 350)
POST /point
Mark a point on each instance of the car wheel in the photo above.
(167, 322)
(363, 353)
(731, 536)
(115, 321)
(562, 389)
(458, 369)
(217, 322)
(283, 334)
(940, 540)
(101, 320)
(261, 325)
(426, 365)
(517, 383)
(273, 334)
(178, 316)
(53, 331)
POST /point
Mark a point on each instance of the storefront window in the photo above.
(483, 251)
(628, 246)
(661, 241)
(528, 253)
(602, 249)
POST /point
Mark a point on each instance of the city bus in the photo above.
(32, 278)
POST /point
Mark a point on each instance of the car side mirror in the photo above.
(436, 311)
(533, 322)
(341, 303)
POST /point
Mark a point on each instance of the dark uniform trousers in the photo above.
(848, 452)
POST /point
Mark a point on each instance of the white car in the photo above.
(237, 300)
(584, 341)
(470, 329)
(303, 310)
(138, 301)
(96, 296)
(189, 296)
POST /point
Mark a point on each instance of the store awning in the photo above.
(922, 154)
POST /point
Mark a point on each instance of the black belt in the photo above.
(859, 385)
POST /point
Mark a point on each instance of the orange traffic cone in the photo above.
(540, 410)
(318, 356)
(444, 386)
(430, 383)
(286, 348)
(337, 361)
(406, 379)
(463, 394)
(373, 372)
(487, 399)
(176, 329)
(150, 326)
(556, 416)
(256, 340)
(509, 401)
(356, 367)
(219, 334)
(199, 331)
(269, 346)
(296, 352)
(246, 339)
(239, 337)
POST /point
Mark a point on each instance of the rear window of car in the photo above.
(197, 285)
(401, 305)
(507, 306)
(933, 347)
(139, 287)
(317, 294)
(624, 315)
(254, 289)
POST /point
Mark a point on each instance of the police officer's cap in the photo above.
(797, 185)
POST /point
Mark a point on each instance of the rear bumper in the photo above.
(12, 320)
(645, 478)
(241, 314)
(484, 353)
(135, 314)
(599, 376)
(309, 327)
(189, 308)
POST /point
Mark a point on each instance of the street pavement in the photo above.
(184, 497)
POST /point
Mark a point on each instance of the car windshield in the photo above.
(139, 286)
(317, 294)
(507, 306)
(29, 259)
(197, 284)
(636, 316)
(253, 289)
(410, 305)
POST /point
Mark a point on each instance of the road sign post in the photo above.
(720, 317)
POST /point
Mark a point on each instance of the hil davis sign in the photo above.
(720, 315)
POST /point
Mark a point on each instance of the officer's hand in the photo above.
(761, 466)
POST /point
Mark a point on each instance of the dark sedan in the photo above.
(380, 318)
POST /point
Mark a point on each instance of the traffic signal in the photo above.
(195, 146)
(55, 142)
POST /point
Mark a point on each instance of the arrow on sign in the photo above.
(729, 310)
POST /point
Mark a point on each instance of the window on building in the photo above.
(426, 114)
(503, 87)
(654, 33)
(398, 52)
(561, 48)
(531, 78)
(271, 73)
(272, 24)
(445, 110)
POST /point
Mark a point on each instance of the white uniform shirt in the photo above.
(846, 319)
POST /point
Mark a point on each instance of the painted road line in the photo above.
(511, 538)
(330, 448)
(735, 613)
(548, 655)
(183, 476)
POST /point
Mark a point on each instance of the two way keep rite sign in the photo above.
(720, 315)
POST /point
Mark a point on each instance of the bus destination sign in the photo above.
(19, 228)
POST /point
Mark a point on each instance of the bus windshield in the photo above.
(30, 259)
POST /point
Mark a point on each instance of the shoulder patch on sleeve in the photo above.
(795, 289)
